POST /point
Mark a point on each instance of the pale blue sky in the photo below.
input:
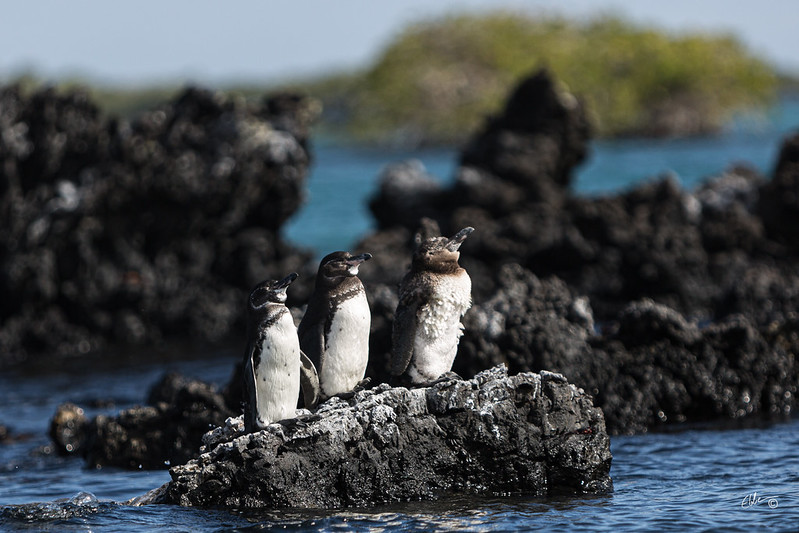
(216, 41)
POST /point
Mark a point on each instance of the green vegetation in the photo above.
(438, 79)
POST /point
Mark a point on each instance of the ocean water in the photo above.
(707, 479)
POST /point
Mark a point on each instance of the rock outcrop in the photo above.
(556, 276)
(494, 434)
(131, 234)
(167, 431)
(652, 367)
(778, 202)
(727, 247)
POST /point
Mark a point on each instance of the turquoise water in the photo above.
(342, 180)
(708, 479)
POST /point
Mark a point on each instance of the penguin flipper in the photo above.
(251, 405)
(403, 335)
(311, 332)
(312, 343)
(309, 381)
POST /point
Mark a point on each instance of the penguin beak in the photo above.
(355, 261)
(285, 282)
(455, 242)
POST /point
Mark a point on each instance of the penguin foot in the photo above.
(300, 421)
(361, 385)
(346, 396)
(443, 378)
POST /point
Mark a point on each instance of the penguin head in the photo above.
(270, 291)
(340, 265)
(440, 254)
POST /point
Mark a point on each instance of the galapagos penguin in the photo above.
(334, 332)
(433, 296)
(274, 366)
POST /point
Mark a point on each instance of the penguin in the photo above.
(433, 296)
(274, 366)
(334, 332)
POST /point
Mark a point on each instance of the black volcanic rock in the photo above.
(167, 431)
(666, 370)
(407, 193)
(511, 185)
(69, 429)
(779, 199)
(528, 433)
(117, 233)
(688, 250)
(528, 324)
(537, 140)
(651, 367)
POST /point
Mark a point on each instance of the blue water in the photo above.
(342, 180)
(709, 479)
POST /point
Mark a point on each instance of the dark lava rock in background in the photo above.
(659, 368)
(529, 323)
(142, 232)
(688, 250)
(167, 431)
(779, 199)
(653, 367)
(511, 186)
(541, 135)
(69, 429)
(523, 434)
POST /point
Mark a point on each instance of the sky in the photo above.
(215, 42)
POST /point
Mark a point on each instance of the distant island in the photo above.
(437, 80)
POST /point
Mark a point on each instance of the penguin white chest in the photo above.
(346, 346)
(277, 376)
(439, 327)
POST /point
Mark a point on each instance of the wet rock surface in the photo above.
(121, 233)
(527, 433)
